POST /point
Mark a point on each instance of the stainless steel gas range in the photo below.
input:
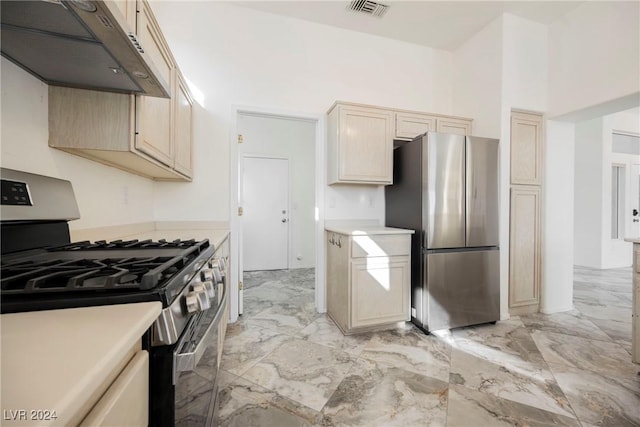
(41, 269)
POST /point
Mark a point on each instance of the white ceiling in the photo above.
(438, 24)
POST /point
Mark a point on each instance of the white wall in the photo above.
(594, 55)
(557, 217)
(106, 196)
(293, 140)
(477, 76)
(239, 56)
(588, 194)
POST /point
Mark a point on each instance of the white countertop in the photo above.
(364, 230)
(632, 239)
(216, 237)
(169, 230)
(55, 360)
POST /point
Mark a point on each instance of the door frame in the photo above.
(241, 189)
(235, 274)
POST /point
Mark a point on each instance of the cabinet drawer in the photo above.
(380, 245)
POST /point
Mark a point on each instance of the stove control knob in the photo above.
(216, 274)
(197, 300)
(210, 288)
(206, 274)
(223, 264)
(214, 263)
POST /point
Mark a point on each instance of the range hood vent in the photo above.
(368, 7)
(77, 43)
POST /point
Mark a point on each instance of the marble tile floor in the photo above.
(285, 365)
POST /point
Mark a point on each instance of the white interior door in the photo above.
(633, 203)
(265, 191)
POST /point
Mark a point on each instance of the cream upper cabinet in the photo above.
(453, 125)
(360, 145)
(410, 125)
(526, 149)
(183, 106)
(368, 280)
(153, 133)
(127, 11)
(148, 136)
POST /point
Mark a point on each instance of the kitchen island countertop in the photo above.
(63, 360)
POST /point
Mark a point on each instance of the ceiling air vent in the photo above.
(368, 7)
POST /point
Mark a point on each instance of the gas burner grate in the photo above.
(126, 244)
(89, 274)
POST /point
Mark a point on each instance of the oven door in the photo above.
(195, 372)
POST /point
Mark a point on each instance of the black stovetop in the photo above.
(98, 273)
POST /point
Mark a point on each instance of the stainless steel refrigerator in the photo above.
(445, 187)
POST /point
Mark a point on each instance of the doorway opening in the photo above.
(279, 205)
(607, 204)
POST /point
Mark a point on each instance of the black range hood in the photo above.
(77, 44)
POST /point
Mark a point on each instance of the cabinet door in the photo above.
(127, 10)
(126, 401)
(337, 275)
(154, 126)
(526, 149)
(452, 125)
(379, 291)
(183, 127)
(524, 249)
(365, 152)
(410, 125)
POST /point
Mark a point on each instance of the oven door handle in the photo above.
(188, 361)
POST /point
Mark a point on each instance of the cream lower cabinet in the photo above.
(368, 280)
(126, 401)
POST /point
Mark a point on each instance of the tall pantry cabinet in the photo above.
(525, 230)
